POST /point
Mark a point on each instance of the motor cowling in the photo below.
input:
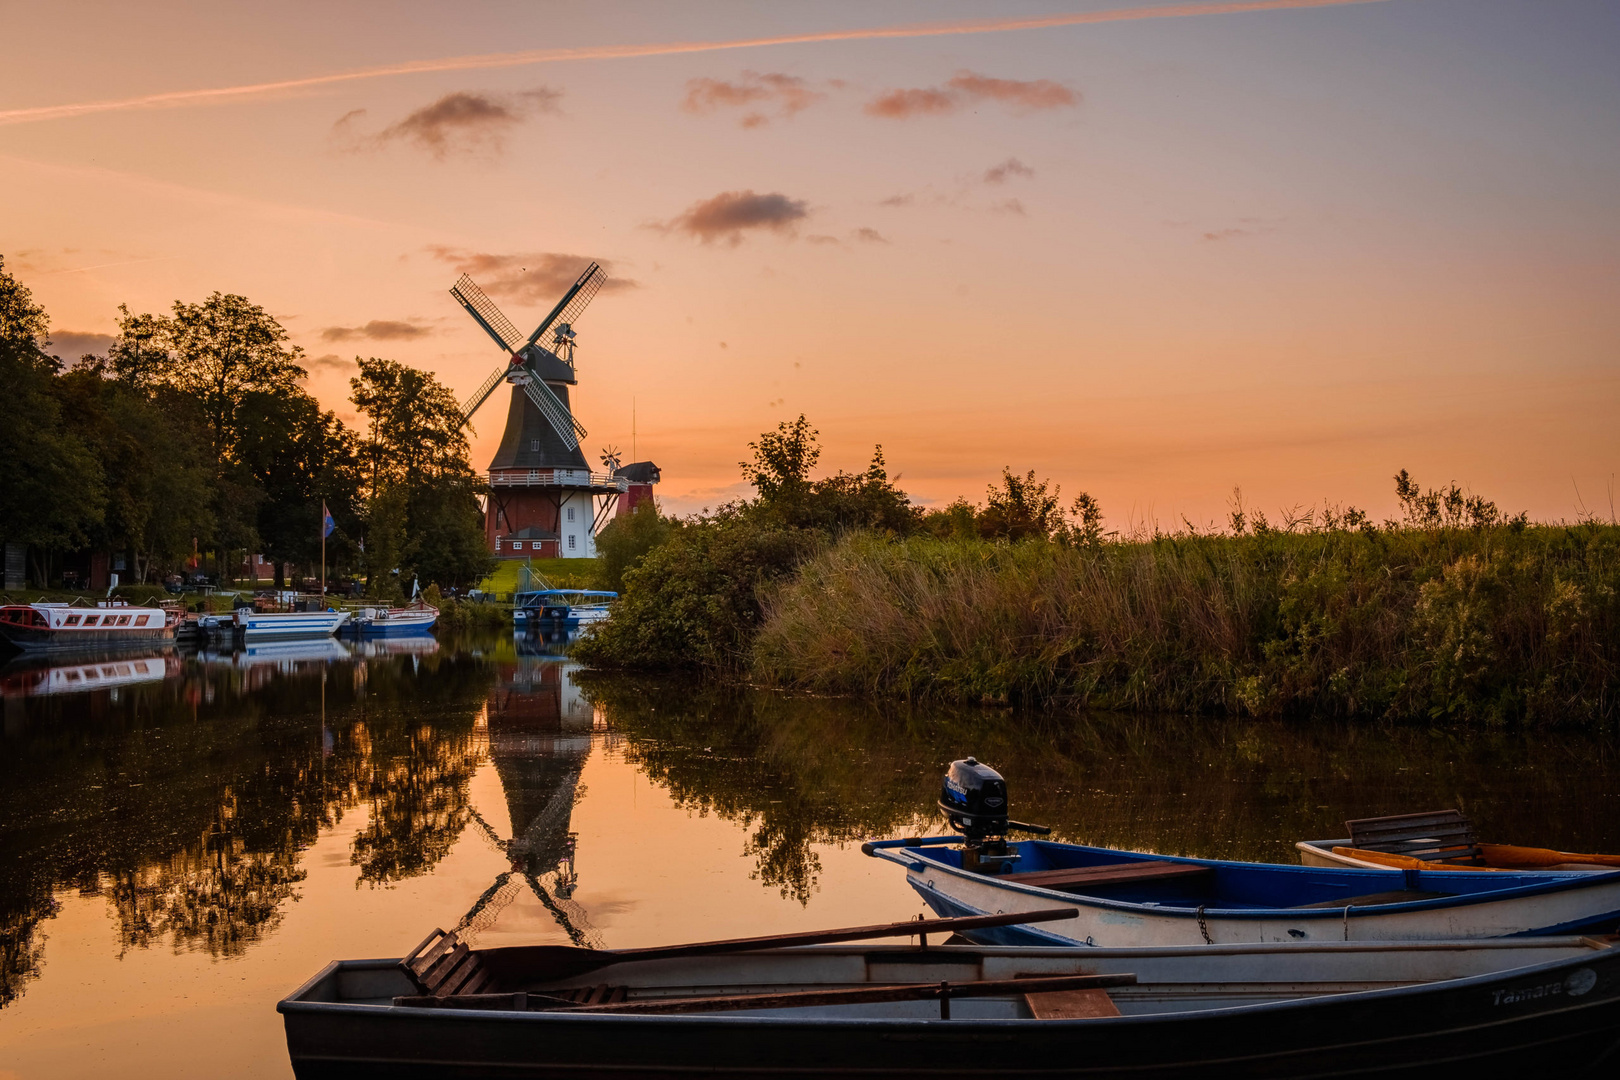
(974, 798)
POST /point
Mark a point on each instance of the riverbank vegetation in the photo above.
(193, 443)
(1454, 611)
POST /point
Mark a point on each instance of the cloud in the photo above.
(328, 362)
(789, 94)
(999, 174)
(1011, 206)
(459, 122)
(729, 214)
(903, 104)
(72, 344)
(376, 330)
(530, 277)
(869, 236)
(898, 200)
(821, 239)
(967, 88)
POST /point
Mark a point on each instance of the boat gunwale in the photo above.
(1556, 882)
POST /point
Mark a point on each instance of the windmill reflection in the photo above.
(539, 730)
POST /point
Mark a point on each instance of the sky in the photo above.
(1155, 252)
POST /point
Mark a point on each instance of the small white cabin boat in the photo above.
(270, 625)
(110, 624)
(378, 621)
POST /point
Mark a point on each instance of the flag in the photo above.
(327, 524)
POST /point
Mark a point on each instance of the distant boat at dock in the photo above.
(417, 618)
(271, 625)
(110, 624)
(560, 609)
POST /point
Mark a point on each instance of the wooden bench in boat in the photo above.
(1443, 837)
(1078, 878)
(444, 966)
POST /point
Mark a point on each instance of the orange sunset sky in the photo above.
(1151, 251)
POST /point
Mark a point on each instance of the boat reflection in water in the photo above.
(540, 730)
(36, 680)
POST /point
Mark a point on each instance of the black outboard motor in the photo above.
(974, 798)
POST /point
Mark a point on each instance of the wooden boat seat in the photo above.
(1443, 837)
(1078, 878)
(444, 966)
(1071, 1005)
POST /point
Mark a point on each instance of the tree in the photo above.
(51, 486)
(421, 492)
(1020, 509)
(780, 473)
(221, 350)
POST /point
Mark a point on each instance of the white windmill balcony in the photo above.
(599, 482)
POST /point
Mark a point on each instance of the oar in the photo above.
(1511, 855)
(537, 963)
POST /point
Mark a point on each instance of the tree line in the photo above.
(193, 441)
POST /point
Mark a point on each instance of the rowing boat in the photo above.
(749, 1009)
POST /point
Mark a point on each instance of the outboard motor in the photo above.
(974, 798)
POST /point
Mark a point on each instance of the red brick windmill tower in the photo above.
(543, 493)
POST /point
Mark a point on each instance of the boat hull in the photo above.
(43, 639)
(1474, 907)
(394, 625)
(282, 625)
(1553, 1018)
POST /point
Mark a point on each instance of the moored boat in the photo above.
(754, 1008)
(110, 624)
(560, 609)
(1440, 838)
(378, 621)
(267, 625)
(1131, 899)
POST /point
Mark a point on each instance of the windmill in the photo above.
(542, 488)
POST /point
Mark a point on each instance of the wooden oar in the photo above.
(780, 999)
(1499, 856)
(524, 964)
(1510, 855)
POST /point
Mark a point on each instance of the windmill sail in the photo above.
(483, 309)
(555, 412)
(573, 303)
(481, 395)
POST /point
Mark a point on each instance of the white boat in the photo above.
(79, 678)
(269, 625)
(370, 621)
(110, 624)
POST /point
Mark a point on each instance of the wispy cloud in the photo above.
(999, 174)
(376, 330)
(460, 122)
(787, 95)
(528, 277)
(176, 98)
(728, 215)
(965, 89)
(898, 200)
(328, 362)
(868, 235)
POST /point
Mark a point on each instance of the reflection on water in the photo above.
(187, 795)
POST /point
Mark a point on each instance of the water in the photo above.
(184, 840)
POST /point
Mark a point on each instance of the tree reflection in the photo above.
(799, 772)
(188, 803)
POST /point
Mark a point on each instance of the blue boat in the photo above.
(560, 609)
(1128, 899)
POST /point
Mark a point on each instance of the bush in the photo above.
(625, 541)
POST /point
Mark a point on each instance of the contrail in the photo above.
(175, 98)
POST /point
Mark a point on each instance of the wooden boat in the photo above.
(111, 624)
(1444, 837)
(1130, 899)
(384, 621)
(770, 1007)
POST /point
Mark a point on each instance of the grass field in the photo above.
(561, 573)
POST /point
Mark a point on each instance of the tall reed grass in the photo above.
(1495, 625)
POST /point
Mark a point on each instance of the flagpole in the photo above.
(323, 550)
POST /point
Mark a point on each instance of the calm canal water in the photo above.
(184, 839)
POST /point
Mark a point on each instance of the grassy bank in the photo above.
(1498, 624)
